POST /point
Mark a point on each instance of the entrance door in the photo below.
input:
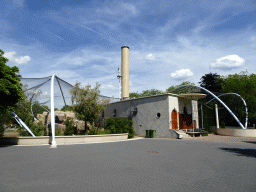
(174, 119)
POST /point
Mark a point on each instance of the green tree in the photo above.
(146, 93)
(10, 86)
(69, 108)
(151, 92)
(212, 82)
(135, 95)
(183, 90)
(243, 84)
(88, 106)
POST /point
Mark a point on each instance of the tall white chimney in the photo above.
(125, 72)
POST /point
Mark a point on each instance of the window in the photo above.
(114, 113)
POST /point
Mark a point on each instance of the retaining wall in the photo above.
(60, 140)
(237, 132)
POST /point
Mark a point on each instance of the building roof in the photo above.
(194, 96)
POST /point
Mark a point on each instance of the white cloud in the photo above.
(18, 3)
(182, 74)
(150, 57)
(19, 61)
(228, 62)
(129, 7)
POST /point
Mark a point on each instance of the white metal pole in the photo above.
(192, 113)
(217, 116)
(53, 145)
(202, 116)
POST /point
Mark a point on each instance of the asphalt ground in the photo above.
(133, 165)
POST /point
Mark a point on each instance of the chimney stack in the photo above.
(125, 72)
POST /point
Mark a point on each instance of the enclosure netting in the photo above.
(42, 88)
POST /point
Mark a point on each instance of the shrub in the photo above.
(37, 129)
(1, 130)
(58, 132)
(120, 125)
(70, 127)
(222, 124)
(95, 131)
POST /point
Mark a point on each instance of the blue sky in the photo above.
(170, 41)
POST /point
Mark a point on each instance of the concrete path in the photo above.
(133, 165)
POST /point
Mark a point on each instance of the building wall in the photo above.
(146, 117)
(187, 102)
(147, 109)
(173, 104)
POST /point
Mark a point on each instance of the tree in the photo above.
(151, 92)
(211, 82)
(243, 84)
(135, 95)
(146, 93)
(88, 107)
(183, 90)
(69, 108)
(10, 86)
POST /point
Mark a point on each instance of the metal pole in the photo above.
(22, 124)
(53, 145)
(202, 116)
(217, 116)
(246, 110)
(192, 113)
(237, 120)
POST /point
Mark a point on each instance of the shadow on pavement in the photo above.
(248, 152)
(253, 142)
(5, 146)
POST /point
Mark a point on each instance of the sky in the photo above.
(170, 41)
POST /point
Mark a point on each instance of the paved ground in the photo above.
(133, 165)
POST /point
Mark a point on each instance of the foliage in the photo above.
(88, 107)
(183, 90)
(146, 93)
(58, 132)
(243, 84)
(135, 95)
(69, 108)
(37, 129)
(95, 131)
(10, 86)
(211, 82)
(120, 125)
(70, 127)
(1, 130)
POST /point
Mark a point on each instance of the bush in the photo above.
(95, 131)
(222, 124)
(70, 127)
(58, 132)
(37, 129)
(1, 130)
(120, 125)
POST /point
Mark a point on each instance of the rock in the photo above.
(60, 118)
(41, 117)
(57, 125)
(80, 125)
